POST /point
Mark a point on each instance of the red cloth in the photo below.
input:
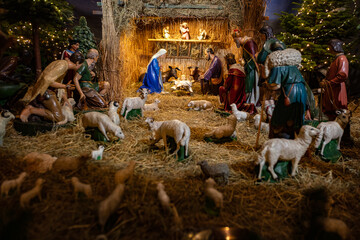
(233, 90)
(335, 96)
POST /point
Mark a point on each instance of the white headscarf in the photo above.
(156, 55)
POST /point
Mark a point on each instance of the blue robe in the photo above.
(151, 79)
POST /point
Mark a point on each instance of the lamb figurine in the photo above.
(289, 57)
(110, 204)
(153, 106)
(5, 118)
(25, 198)
(176, 129)
(286, 149)
(97, 154)
(7, 185)
(162, 196)
(215, 171)
(124, 174)
(212, 193)
(113, 114)
(264, 126)
(81, 187)
(240, 115)
(131, 103)
(103, 123)
(200, 105)
(224, 131)
(333, 129)
(67, 111)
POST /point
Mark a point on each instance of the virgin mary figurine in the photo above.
(152, 79)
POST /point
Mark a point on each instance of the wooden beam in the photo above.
(182, 40)
(185, 6)
(121, 3)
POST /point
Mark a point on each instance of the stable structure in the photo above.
(134, 30)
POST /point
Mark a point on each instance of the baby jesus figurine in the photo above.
(184, 31)
(166, 33)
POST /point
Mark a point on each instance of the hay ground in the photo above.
(273, 210)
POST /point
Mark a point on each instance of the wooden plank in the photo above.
(182, 40)
(185, 6)
(121, 3)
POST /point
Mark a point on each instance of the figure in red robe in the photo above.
(335, 96)
(233, 90)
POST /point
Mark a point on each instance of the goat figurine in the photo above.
(25, 198)
(212, 193)
(131, 103)
(176, 129)
(7, 185)
(113, 114)
(81, 187)
(103, 123)
(97, 154)
(333, 129)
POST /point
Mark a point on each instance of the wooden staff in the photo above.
(321, 112)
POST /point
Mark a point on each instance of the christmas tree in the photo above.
(83, 34)
(315, 23)
(37, 24)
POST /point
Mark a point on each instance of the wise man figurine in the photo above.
(251, 68)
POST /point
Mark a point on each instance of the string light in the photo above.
(329, 15)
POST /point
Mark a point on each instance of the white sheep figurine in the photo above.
(103, 123)
(240, 115)
(264, 126)
(113, 112)
(81, 187)
(98, 154)
(212, 193)
(224, 131)
(5, 118)
(67, 111)
(25, 198)
(131, 103)
(332, 129)
(153, 106)
(110, 204)
(162, 196)
(7, 185)
(176, 129)
(199, 105)
(124, 174)
(286, 149)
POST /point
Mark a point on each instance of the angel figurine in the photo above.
(166, 33)
(184, 31)
(202, 34)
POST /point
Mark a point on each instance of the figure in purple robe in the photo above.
(212, 79)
